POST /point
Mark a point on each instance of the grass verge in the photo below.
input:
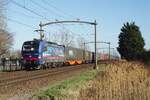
(59, 91)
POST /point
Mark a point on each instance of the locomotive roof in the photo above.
(38, 40)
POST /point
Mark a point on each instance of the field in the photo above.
(118, 81)
(122, 81)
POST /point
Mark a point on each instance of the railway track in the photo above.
(9, 81)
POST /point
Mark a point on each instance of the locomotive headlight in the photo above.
(39, 57)
(32, 49)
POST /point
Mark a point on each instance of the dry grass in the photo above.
(119, 81)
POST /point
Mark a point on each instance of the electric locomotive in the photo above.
(40, 53)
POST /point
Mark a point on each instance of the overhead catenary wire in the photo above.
(29, 26)
(51, 11)
(19, 5)
(18, 22)
(31, 11)
(25, 15)
(46, 9)
(57, 9)
(47, 3)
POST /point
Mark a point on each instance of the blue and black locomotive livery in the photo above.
(41, 53)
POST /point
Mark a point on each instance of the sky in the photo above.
(109, 14)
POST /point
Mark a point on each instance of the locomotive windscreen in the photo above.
(30, 46)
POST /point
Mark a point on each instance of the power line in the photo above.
(21, 13)
(52, 11)
(26, 9)
(12, 20)
(21, 6)
(59, 10)
(46, 8)
(35, 12)
(15, 21)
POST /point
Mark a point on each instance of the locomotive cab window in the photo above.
(30, 46)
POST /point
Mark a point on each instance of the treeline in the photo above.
(131, 43)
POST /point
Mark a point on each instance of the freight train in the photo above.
(38, 54)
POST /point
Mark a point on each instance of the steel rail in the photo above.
(9, 82)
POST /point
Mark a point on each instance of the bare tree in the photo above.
(66, 38)
(15, 53)
(54, 37)
(82, 43)
(62, 37)
(6, 38)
